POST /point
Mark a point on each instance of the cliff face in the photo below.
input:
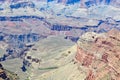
(97, 58)
(100, 56)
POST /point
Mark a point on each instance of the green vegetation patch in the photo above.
(48, 68)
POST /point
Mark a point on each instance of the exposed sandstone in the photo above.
(101, 56)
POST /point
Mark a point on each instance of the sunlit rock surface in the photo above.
(94, 57)
(40, 37)
(7, 75)
(99, 54)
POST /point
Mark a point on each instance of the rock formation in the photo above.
(7, 75)
(100, 55)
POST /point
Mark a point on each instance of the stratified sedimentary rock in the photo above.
(99, 54)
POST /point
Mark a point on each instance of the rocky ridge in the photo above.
(100, 55)
(94, 57)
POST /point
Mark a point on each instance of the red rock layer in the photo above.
(106, 66)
